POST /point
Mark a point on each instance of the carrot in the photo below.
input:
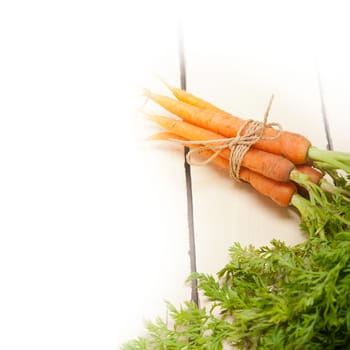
(184, 96)
(165, 136)
(318, 178)
(270, 165)
(275, 193)
(293, 146)
(193, 100)
(314, 174)
(280, 192)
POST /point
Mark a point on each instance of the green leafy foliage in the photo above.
(276, 296)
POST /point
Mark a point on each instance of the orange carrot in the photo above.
(270, 165)
(193, 100)
(293, 146)
(280, 192)
(314, 174)
(206, 153)
(165, 136)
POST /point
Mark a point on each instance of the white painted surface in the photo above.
(93, 232)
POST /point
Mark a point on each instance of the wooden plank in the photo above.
(238, 67)
(333, 63)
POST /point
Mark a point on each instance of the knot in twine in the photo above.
(238, 145)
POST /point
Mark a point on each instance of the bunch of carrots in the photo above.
(272, 297)
(275, 167)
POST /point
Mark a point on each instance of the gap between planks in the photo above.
(323, 110)
(188, 177)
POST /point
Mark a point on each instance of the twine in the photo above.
(238, 145)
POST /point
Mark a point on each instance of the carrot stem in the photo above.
(333, 159)
(321, 198)
(329, 187)
(309, 214)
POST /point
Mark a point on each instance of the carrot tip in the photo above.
(155, 118)
(156, 137)
(151, 117)
(152, 138)
(170, 87)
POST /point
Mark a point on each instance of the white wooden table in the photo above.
(237, 59)
(94, 223)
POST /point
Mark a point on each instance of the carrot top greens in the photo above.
(277, 296)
